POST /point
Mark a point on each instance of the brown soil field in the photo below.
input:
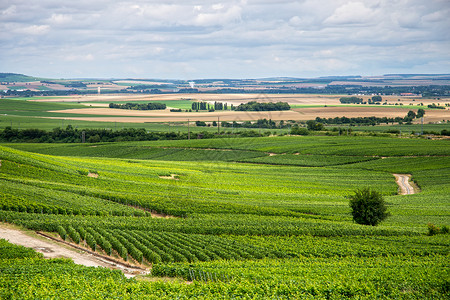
(236, 99)
(309, 113)
(329, 107)
(306, 113)
(134, 116)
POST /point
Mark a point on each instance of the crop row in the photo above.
(17, 195)
(309, 160)
(157, 247)
(323, 145)
(337, 278)
(211, 225)
(392, 277)
(200, 188)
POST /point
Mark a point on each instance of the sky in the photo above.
(192, 39)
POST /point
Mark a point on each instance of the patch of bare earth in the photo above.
(172, 177)
(93, 175)
(405, 186)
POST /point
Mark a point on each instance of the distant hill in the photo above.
(13, 77)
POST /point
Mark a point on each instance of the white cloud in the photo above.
(219, 16)
(351, 13)
(33, 30)
(204, 38)
(60, 19)
(78, 57)
(10, 11)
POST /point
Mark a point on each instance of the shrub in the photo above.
(299, 131)
(433, 229)
(368, 207)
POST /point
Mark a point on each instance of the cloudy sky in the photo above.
(188, 39)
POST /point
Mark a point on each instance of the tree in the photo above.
(411, 115)
(420, 113)
(368, 207)
(377, 99)
(299, 130)
(313, 125)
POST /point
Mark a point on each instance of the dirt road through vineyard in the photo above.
(53, 249)
(403, 182)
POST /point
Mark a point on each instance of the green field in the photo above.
(263, 218)
(182, 104)
(19, 113)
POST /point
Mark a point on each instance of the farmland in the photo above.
(92, 111)
(264, 217)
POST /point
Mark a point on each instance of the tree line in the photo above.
(357, 100)
(260, 123)
(373, 120)
(139, 106)
(196, 106)
(75, 135)
(265, 106)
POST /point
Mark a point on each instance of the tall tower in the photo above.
(98, 90)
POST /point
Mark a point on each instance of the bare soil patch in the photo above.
(172, 177)
(93, 175)
(405, 186)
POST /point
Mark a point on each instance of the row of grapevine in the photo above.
(157, 247)
(97, 239)
(24, 275)
(14, 203)
(115, 243)
(21, 195)
(211, 225)
(150, 252)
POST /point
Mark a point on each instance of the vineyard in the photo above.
(241, 218)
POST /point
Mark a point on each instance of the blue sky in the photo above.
(223, 39)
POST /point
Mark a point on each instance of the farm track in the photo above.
(404, 185)
(53, 248)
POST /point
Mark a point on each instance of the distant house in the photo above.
(410, 95)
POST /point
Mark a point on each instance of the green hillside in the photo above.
(261, 218)
(13, 77)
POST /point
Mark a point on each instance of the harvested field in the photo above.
(341, 111)
(236, 99)
(305, 113)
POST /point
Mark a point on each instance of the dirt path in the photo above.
(52, 249)
(404, 185)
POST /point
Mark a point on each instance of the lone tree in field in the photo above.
(368, 207)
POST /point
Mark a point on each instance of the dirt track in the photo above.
(52, 249)
(404, 185)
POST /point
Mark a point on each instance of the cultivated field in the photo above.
(250, 218)
(305, 107)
